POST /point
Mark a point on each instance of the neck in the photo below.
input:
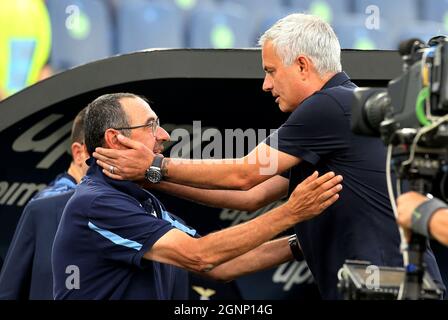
(75, 172)
(325, 78)
(318, 82)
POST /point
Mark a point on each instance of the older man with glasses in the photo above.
(301, 58)
(114, 242)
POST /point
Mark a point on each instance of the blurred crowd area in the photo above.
(40, 37)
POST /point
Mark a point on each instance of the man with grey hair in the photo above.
(301, 58)
(127, 246)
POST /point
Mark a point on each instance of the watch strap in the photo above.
(423, 213)
(157, 162)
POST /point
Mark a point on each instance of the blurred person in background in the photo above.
(27, 273)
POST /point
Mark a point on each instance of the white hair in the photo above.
(305, 34)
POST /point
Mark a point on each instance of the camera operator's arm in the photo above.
(438, 226)
(425, 216)
(250, 200)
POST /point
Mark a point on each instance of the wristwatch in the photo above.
(154, 172)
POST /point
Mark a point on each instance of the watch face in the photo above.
(153, 176)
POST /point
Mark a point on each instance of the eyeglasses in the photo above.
(154, 124)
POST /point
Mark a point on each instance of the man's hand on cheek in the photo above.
(128, 164)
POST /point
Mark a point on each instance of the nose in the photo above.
(162, 135)
(267, 83)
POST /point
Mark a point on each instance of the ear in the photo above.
(78, 153)
(111, 140)
(303, 63)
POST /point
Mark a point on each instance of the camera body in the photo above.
(402, 115)
(411, 118)
(359, 280)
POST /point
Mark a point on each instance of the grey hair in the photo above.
(305, 34)
(103, 113)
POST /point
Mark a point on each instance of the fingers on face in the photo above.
(104, 153)
(104, 165)
(101, 157)
(100, 163)
(106, 169)
(97, 156)
(127, 142)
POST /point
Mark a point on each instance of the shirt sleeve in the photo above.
(318, 127)
(123, 230)
(180, 224)
(15, 277)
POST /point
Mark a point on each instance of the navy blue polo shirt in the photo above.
(26, 273)
(360, 225)
(62, 183)
(106, 228)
